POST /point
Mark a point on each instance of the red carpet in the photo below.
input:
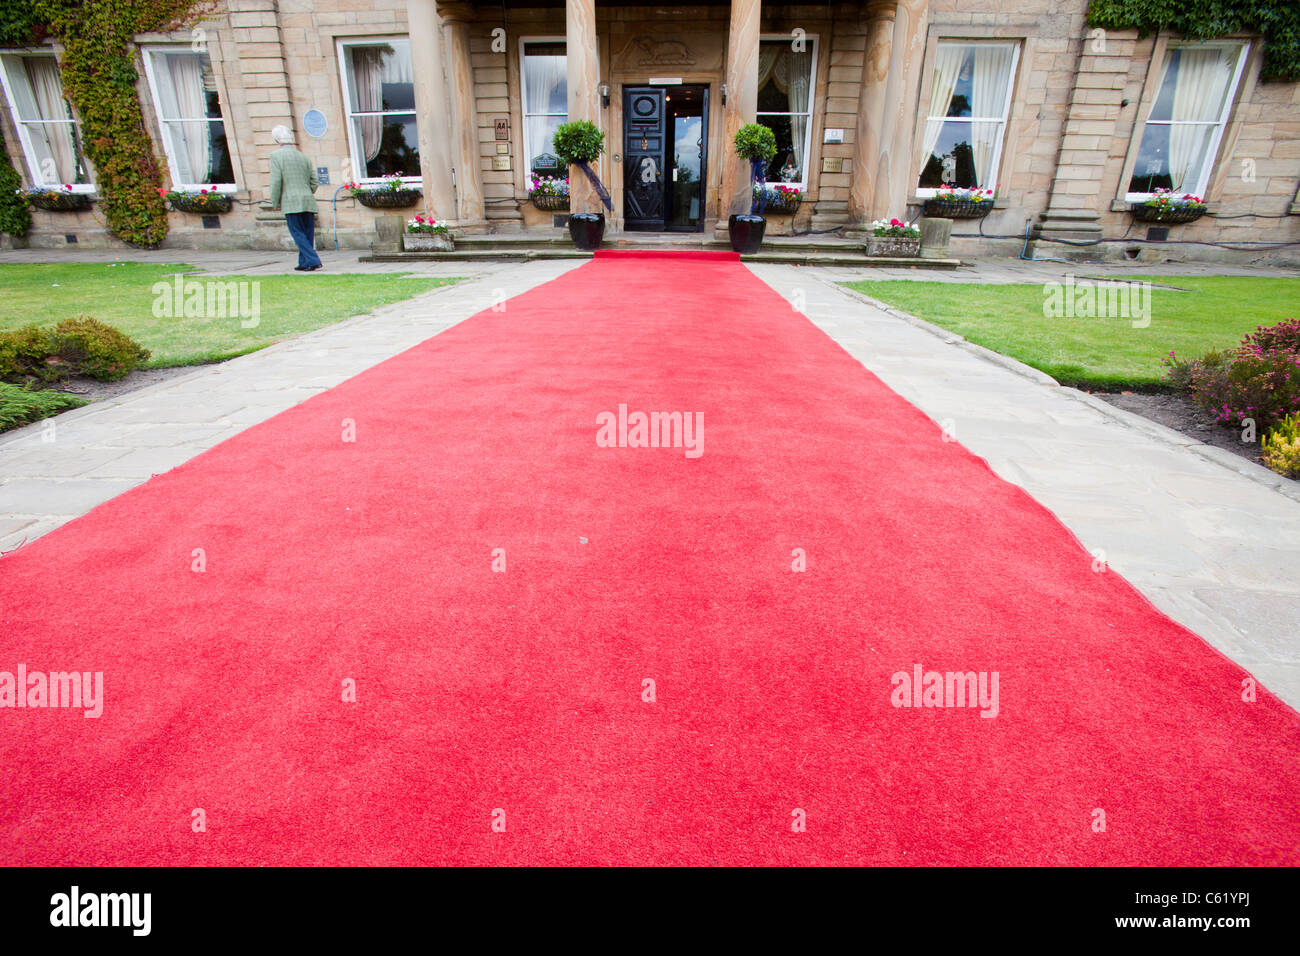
(522, 691)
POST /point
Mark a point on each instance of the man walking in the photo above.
(293, 182)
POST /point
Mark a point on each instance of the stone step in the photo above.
(799, 258)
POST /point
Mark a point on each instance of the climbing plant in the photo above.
(99, 80)
(15, 217)
(1277, 20)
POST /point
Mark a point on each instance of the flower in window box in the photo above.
(388, 192)
(549, 192)
(1165, 205)
(778, 197)
(204, 202)
(56, 199)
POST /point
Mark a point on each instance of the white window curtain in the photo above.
(989, 79)
(183, 102)
(968, 108)
(373, 67)
(1199, 92)
(45, 119)
(799, 90)
(948, 59)
(546, 96)
(790, 71)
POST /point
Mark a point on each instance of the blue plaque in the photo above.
(314, 123)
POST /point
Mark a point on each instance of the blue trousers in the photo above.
(302, 226)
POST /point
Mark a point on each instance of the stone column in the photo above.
(898, 165)
(741, 107)
(464, 113)
(425, 28)
(872, 110)
(584, 92)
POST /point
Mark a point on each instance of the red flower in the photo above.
(895, 222)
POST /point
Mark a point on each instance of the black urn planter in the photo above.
(746, 233)
(587, 229)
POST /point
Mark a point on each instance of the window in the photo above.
(50, 137)
(380, 102)
(786, 69)
(1181, 135)
(970, 95)
(543, 77)
(189, 114)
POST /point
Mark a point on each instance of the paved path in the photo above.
(1215, 549)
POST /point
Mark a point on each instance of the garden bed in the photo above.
(1177, 412)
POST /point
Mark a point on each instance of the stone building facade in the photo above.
(874, 104)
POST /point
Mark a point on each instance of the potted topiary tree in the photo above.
(757, 144)
(580, 143)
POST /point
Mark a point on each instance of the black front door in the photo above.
(643, 158)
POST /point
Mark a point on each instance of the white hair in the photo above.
(282, 134)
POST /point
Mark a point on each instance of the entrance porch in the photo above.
(669, 85)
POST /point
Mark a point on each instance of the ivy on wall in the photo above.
(99, 80)
(15, 217)
(1277, 20)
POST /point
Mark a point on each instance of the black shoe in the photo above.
(314, 268)
(301, 269)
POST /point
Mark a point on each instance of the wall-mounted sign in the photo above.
(545, 163)
(503, 149)
(665, 81)
(323, 175)
(833, 135)
(315, 123)
(832, 164)
(501, 162)
(502, 126)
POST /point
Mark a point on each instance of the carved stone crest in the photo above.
(662, 52)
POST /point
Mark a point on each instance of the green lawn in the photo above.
(1105, 353)
(122, 295)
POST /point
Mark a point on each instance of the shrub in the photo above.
(580, 141)
(755, 142)
(90, 347)
(1283, 337)
(1281, 447)
(1263, 387)
(1259, 379)
(1180, 373)
(20, 405)
(25, 355)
